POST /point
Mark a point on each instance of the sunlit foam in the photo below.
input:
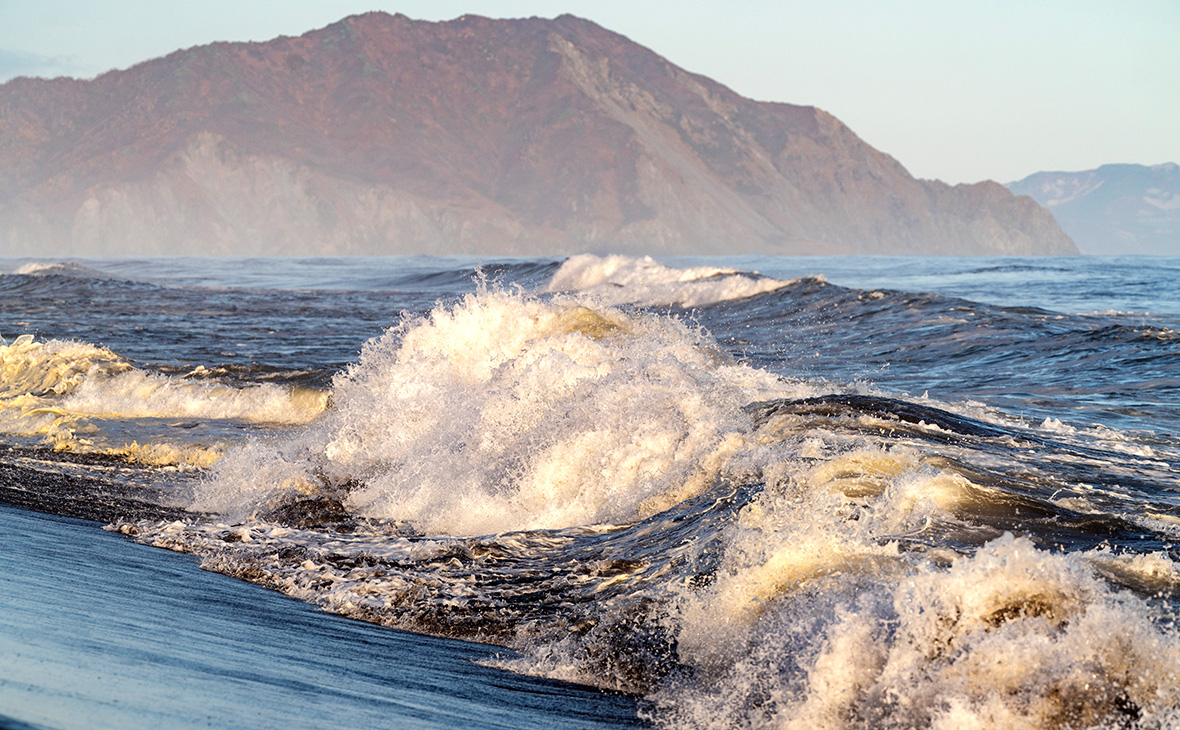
(64, 390)
(54, 367)
(615, 280)
(507, 412)
(137, 394)
(1012, 637)
(64, 268)
(169, 454)
(1147, 572)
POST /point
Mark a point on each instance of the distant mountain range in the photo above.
(381, 134)
(1116, 209)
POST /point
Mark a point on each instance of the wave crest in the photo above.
(615, 280)
(59, 268)
(68, 392)
(1012, 636)
(506, 412)
(54, 367)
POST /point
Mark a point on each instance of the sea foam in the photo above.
(507, 412)
(61, 390)
(1010, 637)
(615, 280)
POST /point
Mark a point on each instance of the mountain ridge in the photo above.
(1116, 208)
(383, 134)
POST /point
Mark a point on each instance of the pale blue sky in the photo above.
(955, 90)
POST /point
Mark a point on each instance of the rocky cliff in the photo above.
(381, 134)
(1114, 209)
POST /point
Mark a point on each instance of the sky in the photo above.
(955, 90)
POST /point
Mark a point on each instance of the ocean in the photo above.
(590, 492)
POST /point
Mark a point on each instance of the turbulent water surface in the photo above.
(839, 493)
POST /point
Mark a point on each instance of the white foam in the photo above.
(66, 268)
(506, 412)
(83, 379)
(615, 280)
(139, 394)
(1011, 637)
(58, 389)
(1149, 572)
(54, 367)
(1054, 424)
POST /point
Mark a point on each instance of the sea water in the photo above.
(99, 632)
(738, 492)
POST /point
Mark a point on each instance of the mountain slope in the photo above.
(380, 134)
(1115, 209)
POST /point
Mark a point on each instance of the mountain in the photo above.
(381, 134)
(1116, 209)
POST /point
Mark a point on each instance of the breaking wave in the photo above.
(69, 391)
(611, 495)
(506, 412)
(615, 280)
(59, 268)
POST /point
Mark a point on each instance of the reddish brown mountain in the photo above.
(381, 134)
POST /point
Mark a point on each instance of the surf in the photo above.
(68, 393)
(695, 485)
(607, 492)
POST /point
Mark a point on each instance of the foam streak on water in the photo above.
(633, 501)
